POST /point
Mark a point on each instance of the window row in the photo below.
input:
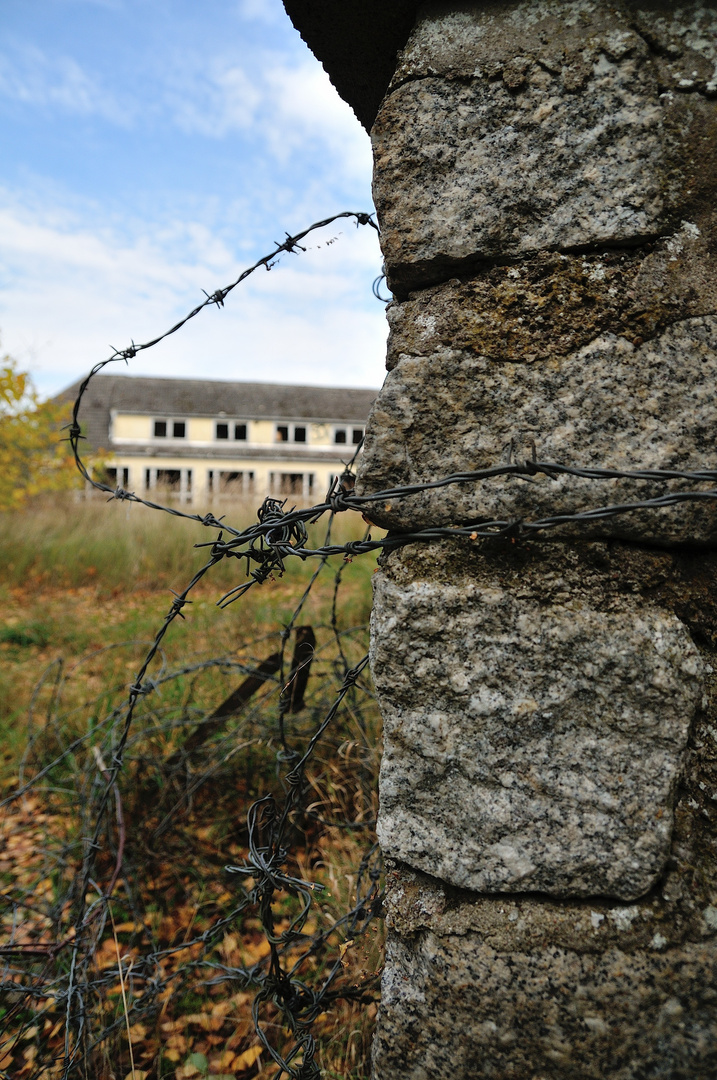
(174, 429)
(296, 433)
(219, 482)
(224, 482)
(341, 435)
(177, 429)
(230, 430)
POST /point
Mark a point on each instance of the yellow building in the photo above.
(204, 440)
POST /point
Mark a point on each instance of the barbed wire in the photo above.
(291, 245)
(279, 984)
(284, 535)
(265, 547)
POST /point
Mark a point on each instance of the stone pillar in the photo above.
(545, 178)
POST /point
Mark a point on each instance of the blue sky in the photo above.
(152, 149)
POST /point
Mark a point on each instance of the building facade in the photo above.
(201, 440)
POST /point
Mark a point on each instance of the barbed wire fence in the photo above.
(63, 970)
(55, 937)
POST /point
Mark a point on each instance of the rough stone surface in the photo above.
(682, 38)
(523, 990)
(356, 41)
(611, 404)
(522, 986)
(546, 756)
(554, 304)
(489, 146)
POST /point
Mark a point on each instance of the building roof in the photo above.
(357, 42)
(207, 397)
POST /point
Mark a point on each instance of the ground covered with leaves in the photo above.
(160, 963)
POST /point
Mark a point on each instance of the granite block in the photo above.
(546, 755)
(490, 146)
(447, 408)
(521, 990)
(682, 38)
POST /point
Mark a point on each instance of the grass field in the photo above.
(84, 588)
(76, 578)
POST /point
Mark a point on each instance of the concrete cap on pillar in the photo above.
(357, 42)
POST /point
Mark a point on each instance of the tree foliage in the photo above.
(34, 458)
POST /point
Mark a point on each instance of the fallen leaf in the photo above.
(197, 1063)
(343, 949)
(247, 1059)
(222, 1063)
(204, 1020)
(221, 1008)
(179, 1043)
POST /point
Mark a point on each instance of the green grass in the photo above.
(86, 585)
(32, 633)
(68, 543)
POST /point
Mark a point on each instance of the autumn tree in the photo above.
(34, 458)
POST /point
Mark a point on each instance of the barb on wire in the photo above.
(277, 535)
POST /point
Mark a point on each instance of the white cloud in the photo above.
(29, 76)
(131, 259)
(257, 95)
(285, 106)
(306, 105)
(69, 291)
(261, 11)
(216, 101)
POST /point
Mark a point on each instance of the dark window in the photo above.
(179, 429)
(231, 483)
(340, 435)
(291, 483)
(357, 435)
(222, 431)
(282, 433)
(160, 429)
(169, 479)
(240, 431)
(299, 434)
